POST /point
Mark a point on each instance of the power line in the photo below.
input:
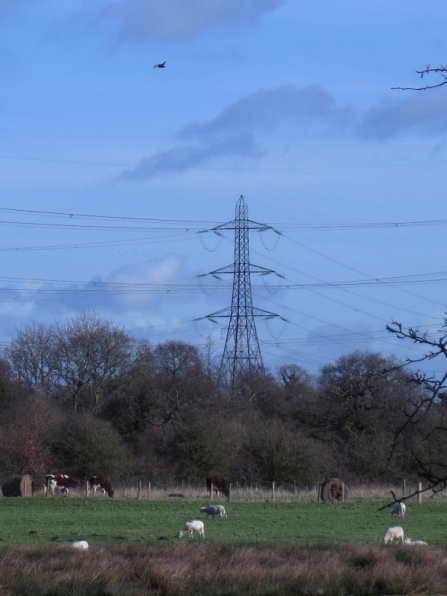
(226, 168)
(187, 288)
(104, 244)
(199, 225)
(72, 215)
(182, 229)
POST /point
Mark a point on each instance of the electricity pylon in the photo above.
(241, 352)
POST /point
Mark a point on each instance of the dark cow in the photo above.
(62, 482)
(100, 483)
(220, 485)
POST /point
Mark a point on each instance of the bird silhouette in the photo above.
(161, 65)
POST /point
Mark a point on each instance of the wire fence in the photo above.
(284, 493)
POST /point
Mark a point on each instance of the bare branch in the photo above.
(419, 88)
(435, 488)
(427, 70)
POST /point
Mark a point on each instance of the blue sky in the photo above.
(110, 168)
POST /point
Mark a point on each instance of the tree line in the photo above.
(84, 397)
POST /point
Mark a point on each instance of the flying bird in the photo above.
(161, 65)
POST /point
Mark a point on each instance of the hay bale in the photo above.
(333, 491)
(18, 486)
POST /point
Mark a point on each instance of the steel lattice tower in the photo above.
(241, 352)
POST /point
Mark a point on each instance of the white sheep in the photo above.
(214, 510)
(393, 533)
(399, 510)
(196, 525)
(80, 544)
(417, 542)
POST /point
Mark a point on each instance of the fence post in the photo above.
(149, 489)
(139, 489)
(404, 487)
(420, 493)
(211, 491)
(229, 492)
(273, 492)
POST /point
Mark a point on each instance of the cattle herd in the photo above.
(62, 483)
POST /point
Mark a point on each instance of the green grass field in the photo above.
(261, 549)
(38, 521)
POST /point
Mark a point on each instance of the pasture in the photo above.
(262, 549)
(122, 521)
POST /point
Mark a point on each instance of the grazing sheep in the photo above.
(80, 544)
(393, 533)
(214, 510)
(399, 510)
(196, 525)
(417, 542)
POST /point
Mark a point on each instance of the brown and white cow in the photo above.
(100, 483)
(219, 484)
(62, 482)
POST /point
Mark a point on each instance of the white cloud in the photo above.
(239, 129)
(184, 157)
(177, 20)
(232, 133)
(416, 112)
(266, 110)
(140, 276)
(124, 290)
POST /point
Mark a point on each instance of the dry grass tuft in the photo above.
(218, 570)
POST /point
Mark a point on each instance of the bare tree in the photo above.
(427, 414)
(132, 406)
(279, 454)
(78, 359)
(86, 445)
(298, 386)
(25, 429)
(89, 357)
(206, 447)
(29, 355)
(181, 384)
(440, 70)
(292, 374)
(359, 409)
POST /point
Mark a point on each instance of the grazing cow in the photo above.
(220, 485)
(62, 482)
(101, 483)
